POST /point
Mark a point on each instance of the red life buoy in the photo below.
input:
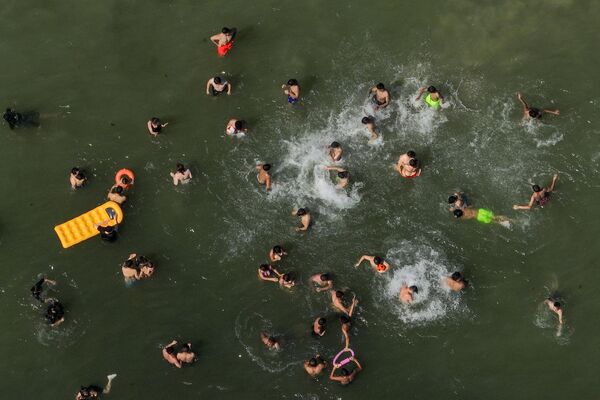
(124, 178)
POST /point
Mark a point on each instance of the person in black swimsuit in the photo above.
(55, 314)
(19, 120)
(37, 289)
(155, 126)
(108, 233)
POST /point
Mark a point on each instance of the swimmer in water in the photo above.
(236, 127)
(116, 194)
(146, 267)
(481, 214)
(94, 392)
(457, 201)
(346, 323)
(534, 113)
(130, 270)
(540, 196)
(155, 126)
(77, 178)
(264, 177)
(185, 355)
(168, 353)
(408, 169)
(287, 281)
(407, 293)
(315, 366)
(345, 376)
(107, 233)
(269, 341)
(337, 297)
(322, 282)
(267, 273)
(38, 288)
(304, 219)
(335, 151)
(456, 282)
(381, 96)
(55, 313)
(224, 40)
(556, 308)
(434, 98)
(217, 85)
(341, 178)
(12, 118)
(292, 90)
(277, 253)
(181, 174)
(318, 326)
(376, 262)
(369, 122)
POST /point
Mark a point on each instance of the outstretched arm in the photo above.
(526, 206)
(354, 303)
(363, 258)
(208, 86)
(228, 88)
(556, 111)
(268, 182)
(338, 169)
(215, 38)
(421, 91)
(554, 179)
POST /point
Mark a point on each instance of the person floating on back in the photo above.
(155, 126)
(381, 96)
(224, 40)
(532, 112)
(264, 177)
(292, 90)
(217, 85)
(77, 178)
(540, 196)
(181, 175)
(434, 98)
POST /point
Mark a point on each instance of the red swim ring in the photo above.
(124, 178)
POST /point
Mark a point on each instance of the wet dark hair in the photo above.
(321, 321)
(180, 168)
(377, 260)
(380, 86)
(277, 249)
(456, 276)
(301, 212)
(344, 319)
(452, 199)
(292, 82)
(334, 145)
(413, 162)
(155, 120)
(324, 277)
(80, 175)
(266, 167)
(129, 264)
(217, 80)
(344, 372)
(225, 30)
(557, 305)
(287, 278)
(414, 289)
(536, 188)
(312, 362)
(264, 267)
(367, 120)
(185, 348)
(458, 213)
(239, 124)
(170, 350)
(431, 89)
(74, 171)
(339, 294)
(343, 174)
(125, 180)
(535, 113)
(411, 154)
(117, 189)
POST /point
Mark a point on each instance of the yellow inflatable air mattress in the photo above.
(84, 227)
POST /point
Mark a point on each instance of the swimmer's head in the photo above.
(217, 80)
(380, 86)
(536, 188)
(225, 30)
(377, 260)
(432, 89)
(458, 213)
(535, 113)
(287, 278)
(343, 174)
(321, 321)
(266, 167)
(335, 145)
(292, 82)
(278, 249)
(301, 212)
(80, 175)
(312, 362)
(557, 305)
(344, 319)
(125, 180)
(264, 267)
(74, 171)
(411, 154)
(452, 199)
(324, 277)
(170, 350)
(413, 162)
(367, 120)
(339, 294)
(117, 190)
(344, 372)
(180, 168)
(155, 121)
(239, 125)
(185, 348)
(414, 289)
(456, 276)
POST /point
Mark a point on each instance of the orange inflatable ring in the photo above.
(124, 178)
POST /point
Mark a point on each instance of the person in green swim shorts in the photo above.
(434, 98)
(481, 214)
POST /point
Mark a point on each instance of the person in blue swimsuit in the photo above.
(292, 90)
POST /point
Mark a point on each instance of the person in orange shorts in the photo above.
(224, 40)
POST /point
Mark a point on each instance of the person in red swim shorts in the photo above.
(224, 40)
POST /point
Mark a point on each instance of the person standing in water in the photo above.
(369, 123)
(155, 126)
(456, 282)
(264, 177)
(322, 282)
(481, 214)
(341, 178)
(116, 194)
(224, 40)
(236, 127)
(345, 376)
(266, 272)
(335, 151)
(318, 326)
(94, 392)
(408, 166)
(130, 271)
(181, 175)
(287, 281)
(292, 90)
(185, 355)
(337, 297)
(217, 85)
(434, 98)
(77, 178)
(540, 196)
(378, 263)
(381, 96)
(407, 293)
(276, 253)
(532, 112)
(304, 219)
(315, 366)
(457, 201)
(556, 308)
(269, 341)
